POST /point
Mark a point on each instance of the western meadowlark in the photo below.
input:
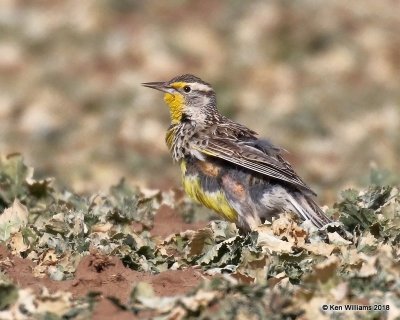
(225, 166)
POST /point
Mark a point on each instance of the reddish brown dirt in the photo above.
(107, 275)
(105, 309)
(167, 222)
(111, 279)
(103, 274)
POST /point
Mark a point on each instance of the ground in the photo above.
(140, 254)
(108, 276)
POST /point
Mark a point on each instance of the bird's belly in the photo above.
(200, 182)
(236, 194)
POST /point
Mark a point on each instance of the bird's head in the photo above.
(188, 97)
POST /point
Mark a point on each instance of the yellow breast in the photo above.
(213, 200)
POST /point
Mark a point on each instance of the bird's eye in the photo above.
(186, 89)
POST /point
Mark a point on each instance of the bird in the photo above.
(225, 166)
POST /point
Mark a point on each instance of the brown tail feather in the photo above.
(309, 210)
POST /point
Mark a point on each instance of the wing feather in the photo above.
(266, 161)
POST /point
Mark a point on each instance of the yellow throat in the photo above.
(176, 103)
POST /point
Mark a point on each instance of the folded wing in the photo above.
(254, 154)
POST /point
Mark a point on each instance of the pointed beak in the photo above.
(160, 86)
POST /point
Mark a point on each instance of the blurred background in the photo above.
(319, 78)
